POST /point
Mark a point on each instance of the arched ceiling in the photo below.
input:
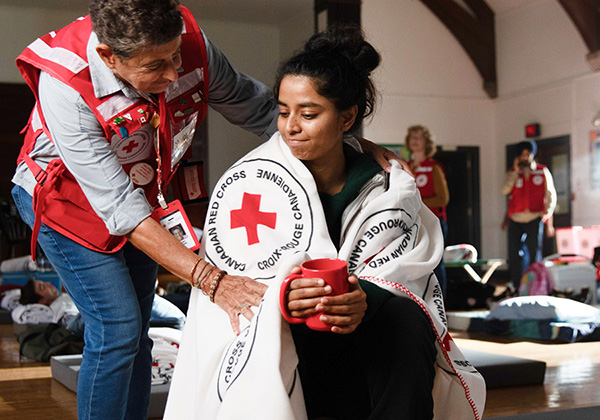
(470, 21)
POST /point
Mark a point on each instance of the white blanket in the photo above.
(164, 353)
(265, 215)
(60, 311)
(10, 300)
(33, 313)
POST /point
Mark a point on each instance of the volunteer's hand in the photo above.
(516, 165)
(382, 155)
(236, 295)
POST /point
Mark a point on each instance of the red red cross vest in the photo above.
(529, 193)
(58, 200)
(424, 180)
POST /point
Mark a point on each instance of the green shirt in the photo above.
(360, 169)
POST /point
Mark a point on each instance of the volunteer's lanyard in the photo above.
(154, 121)
(170, 216)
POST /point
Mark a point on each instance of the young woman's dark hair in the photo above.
(339, 62)
(131, 26)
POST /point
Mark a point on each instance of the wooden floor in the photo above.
(572, 375)
(28, 392)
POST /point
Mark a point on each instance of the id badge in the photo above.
(175, 220)
(183, 139)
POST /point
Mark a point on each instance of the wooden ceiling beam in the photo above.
(475, 31)
(585, 14)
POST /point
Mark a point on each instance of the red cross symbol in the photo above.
(446, 341)
(250, 216)
(131, 145)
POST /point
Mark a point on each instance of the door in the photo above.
(462, 174)
(16, 103)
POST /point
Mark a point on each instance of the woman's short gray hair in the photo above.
(129, 27)
(429, 140)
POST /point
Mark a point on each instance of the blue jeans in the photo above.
(114, 294)
(524, 247)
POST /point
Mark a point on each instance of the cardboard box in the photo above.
(589, 238)
(65, 369)
(574, 278)
(578, 240)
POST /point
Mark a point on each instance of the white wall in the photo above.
(544, 77)
(256, 50)
(295, 31)
(586, 104)
(19, 26)
(252, 49)
(537, 44)
(427, 78)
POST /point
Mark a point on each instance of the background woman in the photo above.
(431, 182)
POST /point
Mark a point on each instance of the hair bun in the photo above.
(346, 40)
(339, 62)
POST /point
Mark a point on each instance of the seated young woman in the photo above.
(310, 193)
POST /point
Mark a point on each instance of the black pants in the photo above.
(519, 256)
(383, 370)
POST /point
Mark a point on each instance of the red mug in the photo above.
(334, 272)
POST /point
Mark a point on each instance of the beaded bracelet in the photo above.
(204, 279)
(215, 284)
(197, 282)
(194, 271)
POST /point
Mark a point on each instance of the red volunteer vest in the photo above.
(58, 200)
(529, 193)
(424, 180)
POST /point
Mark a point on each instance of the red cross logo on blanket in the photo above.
(250, 216)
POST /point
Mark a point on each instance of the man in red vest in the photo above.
(531, 202)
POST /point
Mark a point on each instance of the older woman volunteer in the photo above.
(431, 182)
(310, 193)
(119, 95)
